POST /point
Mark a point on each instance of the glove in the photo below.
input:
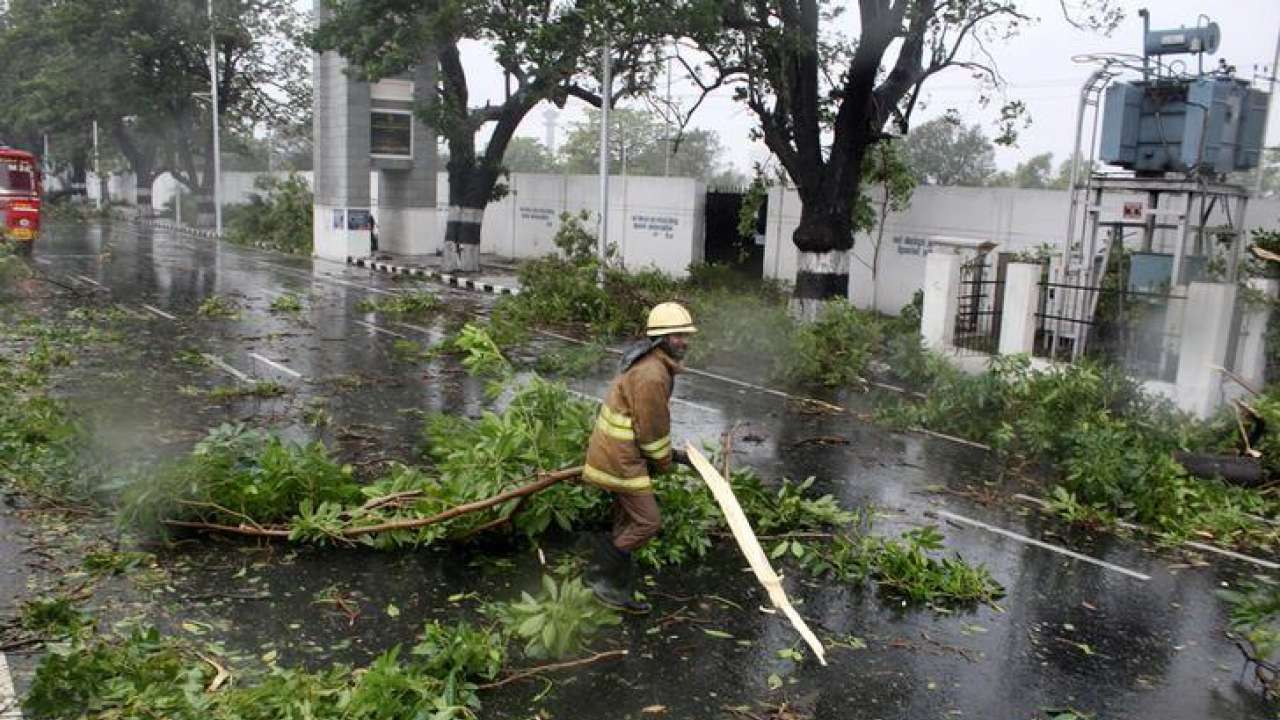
(680, 456)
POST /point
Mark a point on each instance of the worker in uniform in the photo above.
(630, 442)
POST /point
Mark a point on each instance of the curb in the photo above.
(173, 227)
(433, 275)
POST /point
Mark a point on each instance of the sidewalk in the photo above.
(497, 274)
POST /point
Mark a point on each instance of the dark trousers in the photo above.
(636, 520)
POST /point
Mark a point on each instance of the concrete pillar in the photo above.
(941, 299)
(1251, 356)
(407, 197)
(340, 130)
(1203, 350)
(1018, 315)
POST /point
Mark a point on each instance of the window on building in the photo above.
(391, 133)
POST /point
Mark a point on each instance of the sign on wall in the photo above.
(391, 133)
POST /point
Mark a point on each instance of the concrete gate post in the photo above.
(1018, 315)
(407, 192)
(1251, 358)
(1203, 348)
(941, 299)
(341, 136)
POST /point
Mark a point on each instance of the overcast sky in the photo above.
(1037, 65)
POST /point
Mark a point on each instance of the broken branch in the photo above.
(534, 671)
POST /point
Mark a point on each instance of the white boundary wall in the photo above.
(1014, 218)
(655, 222)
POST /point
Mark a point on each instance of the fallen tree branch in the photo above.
(544, 481)
(535, 671)
(218, 680)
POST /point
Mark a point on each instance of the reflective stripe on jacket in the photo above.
(633, 429)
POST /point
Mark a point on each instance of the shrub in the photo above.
(559, 622)
(280, 219)
(234, 473)
(834, 349)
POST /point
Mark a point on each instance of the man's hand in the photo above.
(680, 456)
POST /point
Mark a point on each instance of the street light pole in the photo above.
(1271, 90)
(97, 166)
(606, 90)
(217, 146)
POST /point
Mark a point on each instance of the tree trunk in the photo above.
(824, 238)
(469, 193)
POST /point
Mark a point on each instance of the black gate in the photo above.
(724, 244)
(978, 312)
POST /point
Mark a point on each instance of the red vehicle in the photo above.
(20, 187)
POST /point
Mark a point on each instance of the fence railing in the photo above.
(978, 312)
(1139, 331)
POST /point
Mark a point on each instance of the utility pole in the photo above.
(606, 90)
(1271, 89)
(666, 161)
(217, 146)
(97, 166)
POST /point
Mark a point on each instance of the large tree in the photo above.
(823, 97)
(548, 50)
(945, 152)
(149, 67)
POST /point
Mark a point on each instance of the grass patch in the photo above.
(219, 307)
(414, 303)
(287, 303)
(261, 389)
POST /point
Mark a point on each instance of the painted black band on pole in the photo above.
(821, 286)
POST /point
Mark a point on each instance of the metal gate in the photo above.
(978, 312)
(724, 244)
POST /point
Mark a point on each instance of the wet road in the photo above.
(1101, 624)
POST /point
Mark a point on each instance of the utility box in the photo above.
(1206, 124)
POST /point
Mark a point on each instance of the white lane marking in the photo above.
(222, 365)
(1044, 504)
(276, 365)
(1041, 544)
(417, 328)
(1232, 554)
(130, 312)
(693, 404)
(159, 312)
(89, 280)
(9, 707)
(382, 330)
(44, 261)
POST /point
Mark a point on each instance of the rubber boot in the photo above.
(613, 586)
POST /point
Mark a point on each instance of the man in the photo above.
(631, 439)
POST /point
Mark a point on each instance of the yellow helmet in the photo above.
(669, 318)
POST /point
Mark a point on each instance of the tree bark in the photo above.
(823, 238)
(468, 196)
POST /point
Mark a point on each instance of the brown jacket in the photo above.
(633, 430)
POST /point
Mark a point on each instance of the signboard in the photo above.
(359, 220)
(1132, 211)
(391, 133)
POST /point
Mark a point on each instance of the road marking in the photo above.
(276, 365)
(89, 280)
(692, 404)
(159, 312)
(1044, 505)
(418, 328)
(9, 707)
(221, 364)
(1041, 544)
(382, 330)
(44, 261)
(130, 312)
